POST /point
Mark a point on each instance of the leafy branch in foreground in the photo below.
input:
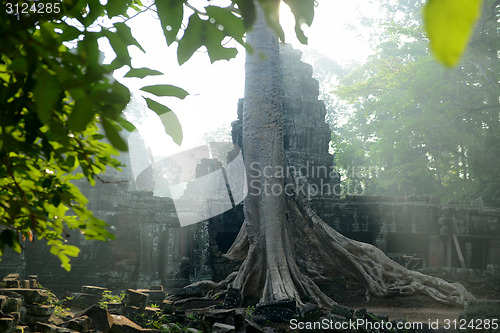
(56, 97)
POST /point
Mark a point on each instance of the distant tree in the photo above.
(428, 129)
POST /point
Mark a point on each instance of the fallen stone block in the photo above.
(275, 314)
(22, 329)
(79, 324)
(232, 299)
(222, 328)
(33, 281)
(154, 295)
(310, 312)
(288, 303)
(30, 296)
(482, 308)
(122, 324)
(93, 290)
(101, 319)
(13, 305)
(224, 316)
(14, 315)
(252, 327)
(342, 311)
(7, 325)
(136, 298)
(82, 301)
(11, 281)
(31, 320)
(40, 310)
(156, 287)
(49, 328)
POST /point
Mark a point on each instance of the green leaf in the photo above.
(170, 13)
(120, 48)
(80, 116)
(192, 39)
(113, 135)
(142, 72)
(233, 25)
(449, 25)
(247, 8)
(117, 7)
(166, 90)
(126, 124)
(169, 119)
(213, 43)
(10, 238)
(125, 34)
(172, 126)
(46, 94)
(158, 108)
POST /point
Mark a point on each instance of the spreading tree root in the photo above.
(314, 251)
(311, 251)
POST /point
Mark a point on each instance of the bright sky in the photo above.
(215, 88)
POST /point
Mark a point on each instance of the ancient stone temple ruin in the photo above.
(151, 248)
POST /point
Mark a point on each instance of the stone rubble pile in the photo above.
(28, 308)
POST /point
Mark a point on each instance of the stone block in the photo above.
(288, 303)
(252, 327)
(482, 308)
(11, 283)
(222, 328)
(131, 312)
(49, 328)
(30, 296)
(275, 314)
(167, 307)
(14, 315)
(225, 316)
(82, 301)
(136, 298)
(7, 325)
(122, 324)
(79, 324)
(40, 310)
(232, 299)
(22, 329)
(33, 320)
(310, 312)
(93, 290)
(101, 319)
(342, 311)
(154, 295)
(13, 305)
(3, 302)
(156, 287)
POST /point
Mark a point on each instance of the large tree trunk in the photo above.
(285, 246)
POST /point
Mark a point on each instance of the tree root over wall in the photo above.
(306, 250)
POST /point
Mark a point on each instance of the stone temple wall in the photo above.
(151, 248)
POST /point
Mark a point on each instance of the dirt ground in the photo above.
(414, 309)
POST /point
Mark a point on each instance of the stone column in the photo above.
(494, 252)
(436, 251)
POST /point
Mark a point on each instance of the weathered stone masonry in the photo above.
(151, 249)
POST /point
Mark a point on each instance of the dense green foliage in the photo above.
(428, 130)
(58, 102)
